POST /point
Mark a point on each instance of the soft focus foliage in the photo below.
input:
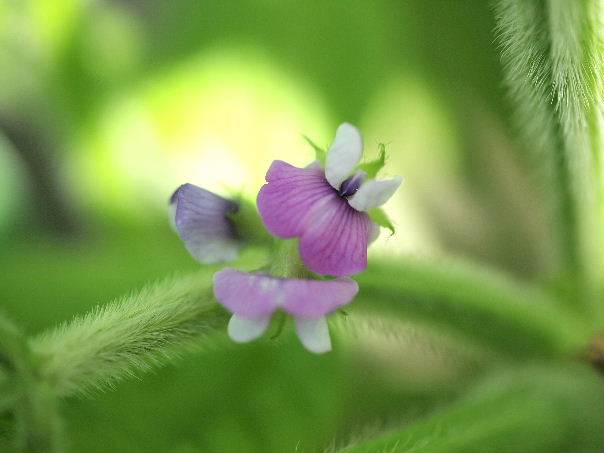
(477, 324)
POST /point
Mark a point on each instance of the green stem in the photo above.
(552, 56)
(130, 335)
(38, 423)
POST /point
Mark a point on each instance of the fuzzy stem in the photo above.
(552, 56)
(38, 423)
(129, 335)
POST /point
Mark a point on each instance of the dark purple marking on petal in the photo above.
(255, 296)
(202, 223)
(352, 184)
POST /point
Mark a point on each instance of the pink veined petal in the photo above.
(251, 296)
(254, 296)
(310, 299)
(335, 239)
(289, 195)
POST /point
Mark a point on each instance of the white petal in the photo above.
(343, 155)
(242, 330)
(314, 334)
(374, 232)
(374, 193)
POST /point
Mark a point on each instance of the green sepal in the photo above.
(320, 153)
(381, 218)
(248, 223)
(373, 167)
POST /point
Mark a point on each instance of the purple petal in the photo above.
(257, 296)
(315, 298)
(252, 296)
(201, 222)
(289, 195)
(336, 238)
(299, 202)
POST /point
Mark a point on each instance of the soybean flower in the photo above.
(327, 208)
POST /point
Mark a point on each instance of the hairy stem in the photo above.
(552, 56)
(34, 404)
(129, 335)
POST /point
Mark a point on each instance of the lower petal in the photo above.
(250, 296)
(243, 330)
(314, 334)
(316, 298)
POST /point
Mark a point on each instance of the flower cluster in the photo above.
(321, 217)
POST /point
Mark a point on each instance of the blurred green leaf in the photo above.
(512, 318)
(532, 410)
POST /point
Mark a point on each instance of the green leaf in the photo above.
(379, 216)
(509, 317)
(530, 410)
(320, 153)
(372, 168)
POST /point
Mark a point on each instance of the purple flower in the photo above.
(326, 208)
(201, 220)
(254, 297)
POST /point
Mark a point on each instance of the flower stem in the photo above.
(34, 403)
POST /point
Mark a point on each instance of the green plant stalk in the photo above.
(34, 404)
(513, 319)
(552, 56)
(130, 335)
(531, 410)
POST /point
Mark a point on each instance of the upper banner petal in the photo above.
(335, 239)
(289, 195)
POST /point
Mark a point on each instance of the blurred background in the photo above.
(107, 106)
